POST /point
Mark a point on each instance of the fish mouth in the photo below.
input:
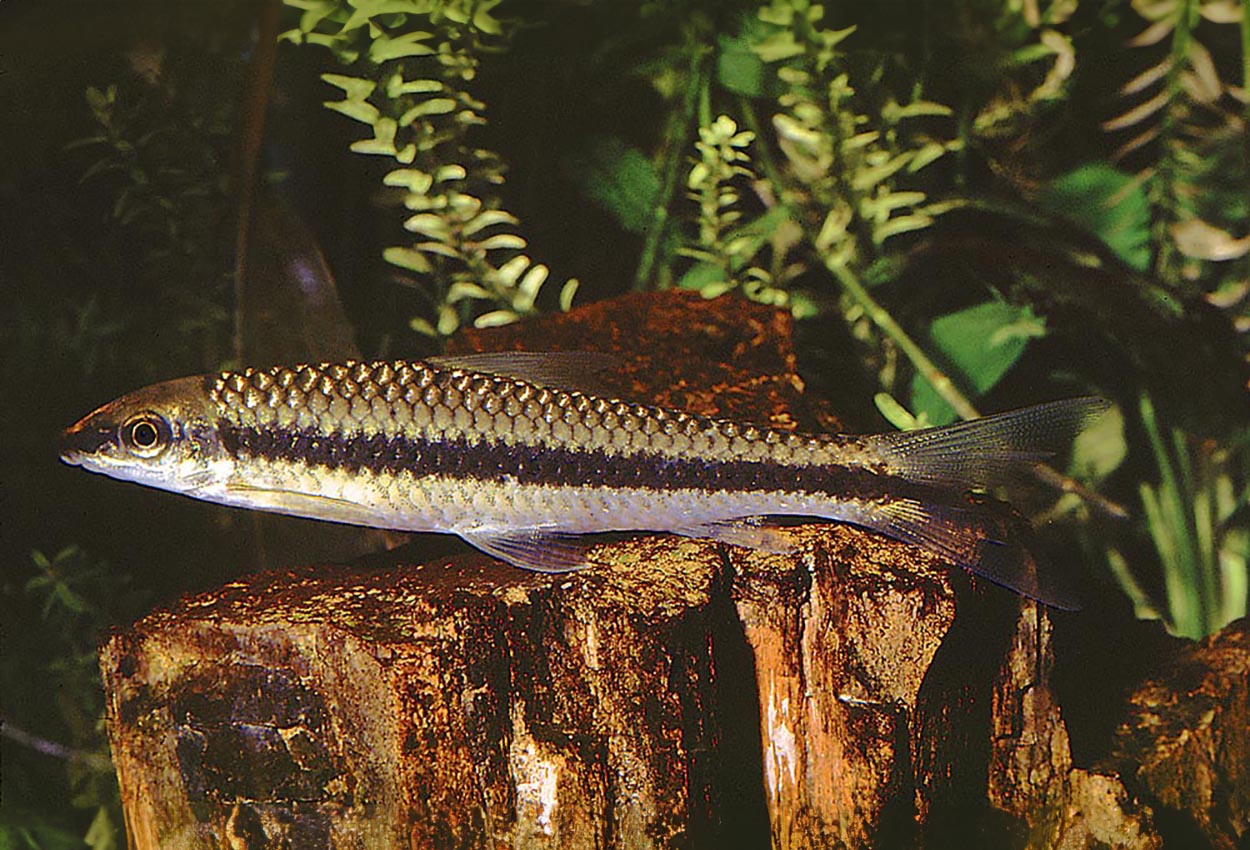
(83, 440)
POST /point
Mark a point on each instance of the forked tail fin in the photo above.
(973, 533)
(981, 452)
(982, 536)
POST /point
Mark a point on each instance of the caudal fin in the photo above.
(981, 452)
(977, 534)
(980, 535)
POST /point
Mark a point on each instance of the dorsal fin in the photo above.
(566, 370)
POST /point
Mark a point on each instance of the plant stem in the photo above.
(1163, 194)
(678, 135)
(924, 365)
(851, 284)
(96, 761)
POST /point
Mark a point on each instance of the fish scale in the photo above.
(424, 401)
(502, 451)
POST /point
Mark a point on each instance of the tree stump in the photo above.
(1186, 740)
(856, 692)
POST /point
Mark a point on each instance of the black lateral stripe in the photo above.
(521, 464)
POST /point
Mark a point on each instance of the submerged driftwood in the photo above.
(856, 692)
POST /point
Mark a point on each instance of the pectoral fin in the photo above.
(295, 503)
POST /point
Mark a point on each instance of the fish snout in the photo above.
(84, 439)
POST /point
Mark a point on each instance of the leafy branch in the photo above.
(844, 167)
(1190, 126)
(413, 63)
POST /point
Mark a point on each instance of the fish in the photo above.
(505, 451)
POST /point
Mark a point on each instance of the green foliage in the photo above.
(414, 62)
(981, 343)
(1197, 516)
(77, 597)
(1108, 204)
(847, 168)
(1187, 125)
(725, 248)
(161, 149)
(620, 179)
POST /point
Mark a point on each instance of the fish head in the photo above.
(164, 435)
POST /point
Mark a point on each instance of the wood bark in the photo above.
(856, 692)
(1185, 741)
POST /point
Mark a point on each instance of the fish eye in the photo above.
(145, 435)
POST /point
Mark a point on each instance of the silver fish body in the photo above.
(484, 447)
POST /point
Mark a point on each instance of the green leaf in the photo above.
(894, 112)
(1107, 203)
(897, 415)
(359, 110)
(899, 224)
(739, 68)
(448, 320)
(383, 141)
(102, 834)
(354, 87)
(1101, 448)
(499, 241)
(757, 232)
(778, 47)
(620, 179)
(430, 106)
(533, 282)
(414, 180)
(422, 326)
(315, 11)
(802, 306)
(702, 276)
(397, 86)
(407, 258)
(930, 152)
(384, 47)
(567, 293)
(495, 318)
(462, 289)
(485, 219)
(483, 20)
(979, 344)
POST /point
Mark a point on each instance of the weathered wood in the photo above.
(449, 705)
(841, 639)
(856, 692)
(1186, 740)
